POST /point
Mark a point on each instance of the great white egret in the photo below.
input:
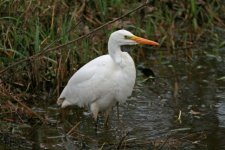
(107, 79)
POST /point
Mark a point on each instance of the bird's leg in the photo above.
(117, 108)
(106, 118)
(106, 122)
(96, 125)
(118, 114)
(94, 109)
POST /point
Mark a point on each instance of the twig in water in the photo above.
(121, 141)
(73, 128)
(164, 143)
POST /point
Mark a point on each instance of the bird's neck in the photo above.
(115, 52)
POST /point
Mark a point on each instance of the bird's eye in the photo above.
(126, 37)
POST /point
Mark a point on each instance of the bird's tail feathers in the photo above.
(60, 100)
(63, 102)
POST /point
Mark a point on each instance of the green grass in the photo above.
(28, 27)
(194, 13)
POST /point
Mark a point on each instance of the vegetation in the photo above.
(29, 27)
(40, 44)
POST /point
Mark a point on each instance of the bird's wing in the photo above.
(85, 73)
(82, 86)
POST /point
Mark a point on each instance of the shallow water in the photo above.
(182, 108)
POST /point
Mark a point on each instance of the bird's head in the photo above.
(124, 37)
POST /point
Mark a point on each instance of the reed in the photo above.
(29, 27)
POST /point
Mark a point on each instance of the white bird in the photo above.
(105, 80)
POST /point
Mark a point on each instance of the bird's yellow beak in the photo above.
(144, 41)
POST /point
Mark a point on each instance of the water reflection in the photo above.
(150, 118)
(201, 101)
(221, 110)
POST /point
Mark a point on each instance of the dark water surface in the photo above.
(182, 108)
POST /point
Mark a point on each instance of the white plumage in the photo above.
(105, 80)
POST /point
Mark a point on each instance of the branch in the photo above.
(47, 50)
